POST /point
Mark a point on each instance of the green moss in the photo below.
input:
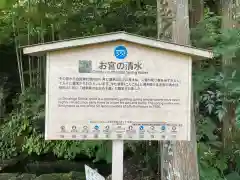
(58, 176)
(26, 177)
(11, 176)
(7, 176)
(55, 176)
(77, 175)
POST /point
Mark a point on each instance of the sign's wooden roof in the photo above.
(41, 49)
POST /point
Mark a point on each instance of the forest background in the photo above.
(214, 25)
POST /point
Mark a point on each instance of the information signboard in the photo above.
(117, 86)
(118, 90)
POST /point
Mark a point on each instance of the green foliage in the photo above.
(238, 115)
(34, 21)
(23, 131)
(8, 146)
(62, 19)
(216, 85)
(206, 34)
(226, 90)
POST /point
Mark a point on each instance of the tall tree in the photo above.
(229, 11)
(164, 22)
(179, 159)
(196, 10)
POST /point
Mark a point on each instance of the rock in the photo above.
(47, 167)
(4, 163)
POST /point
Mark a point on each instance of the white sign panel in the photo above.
(118, 90)
(92, 174)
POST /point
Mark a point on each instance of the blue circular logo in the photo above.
(163, 127)
(141, 127)
(120, 52)
(96, 127)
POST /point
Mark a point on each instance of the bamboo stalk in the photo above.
(43, 58)
(21, 66)
(38, 68)
(33, 72)
(43, 65)
(17, 54)
(29, 58)
(52, 30)
(41, 36)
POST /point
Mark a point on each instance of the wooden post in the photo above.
(117, 159)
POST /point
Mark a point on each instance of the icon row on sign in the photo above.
(123, 128)
(123, 136)
(84, 128)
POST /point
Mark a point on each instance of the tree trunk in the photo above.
(164, 20)
(164, 33)
(179, 159)
(196, 12)
(229, 9)
(159, 19)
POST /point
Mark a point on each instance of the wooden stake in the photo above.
(117, 159)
